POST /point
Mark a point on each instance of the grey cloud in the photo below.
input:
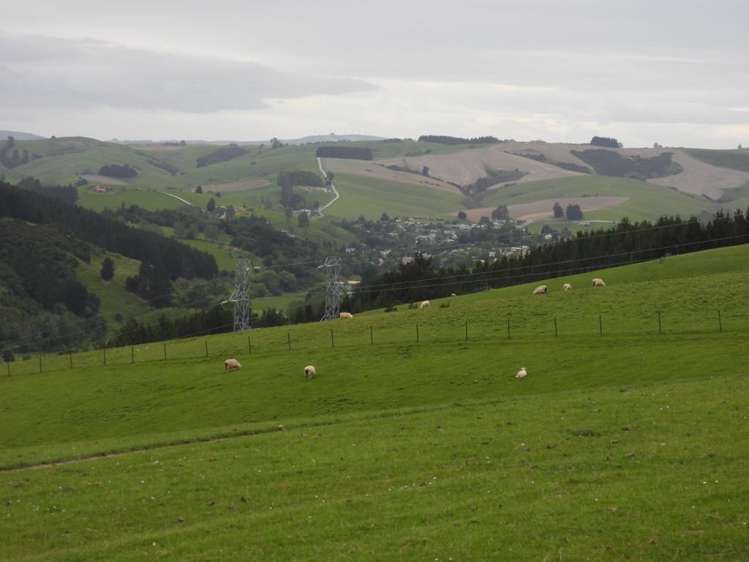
(46, 72)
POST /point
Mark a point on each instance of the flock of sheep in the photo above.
(543, 289)
(310, 372)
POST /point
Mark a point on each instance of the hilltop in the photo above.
(624, 425)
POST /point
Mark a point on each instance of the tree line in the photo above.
(350, 152)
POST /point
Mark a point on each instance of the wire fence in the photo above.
(414, 328)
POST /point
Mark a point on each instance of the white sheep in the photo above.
(521, 374)
(424, 304)
(598, 282)
(541, 290)
(232, 365)
(345, 316)
(567, 286)
(310, 372)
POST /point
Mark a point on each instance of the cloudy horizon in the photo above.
(674, 73)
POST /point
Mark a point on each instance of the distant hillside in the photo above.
(19, 135)
(403, 176)
(332, 138)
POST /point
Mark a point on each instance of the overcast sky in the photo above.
(668, 71)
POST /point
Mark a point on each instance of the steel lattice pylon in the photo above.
(333, 289)
(241, 296)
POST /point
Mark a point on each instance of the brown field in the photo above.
(466, 166)
(246, 184)
(543, 208)
(699, 178)
(378, 171)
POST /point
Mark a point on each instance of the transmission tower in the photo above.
(333, 289)
(241, 296)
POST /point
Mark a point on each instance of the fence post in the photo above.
(40, 362)
(417, 332)
(288, 340)
(332, 339)
(164, 352)
(600, 324)
(466, 329)
(206, 348)
(70, 359)
(556, 328)
(132, 354)
(660, 326)
(371, 336)
(105, 355)
(720, 322)
(249, 344)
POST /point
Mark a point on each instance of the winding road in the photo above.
(332, 186)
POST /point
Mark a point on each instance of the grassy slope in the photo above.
(623, 445)
(113, 296)
(646, 201)
(371, 197)
(733, 159)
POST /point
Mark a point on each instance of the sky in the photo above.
(674, 72)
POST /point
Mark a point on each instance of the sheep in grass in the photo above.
(310, 372)
(424, 304)
(567, 287)
(598, 282)
(541, 290)
(232, 365)
(345, 316)
(521, 374)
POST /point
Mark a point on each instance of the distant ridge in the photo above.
(310, 139)
(19, 135)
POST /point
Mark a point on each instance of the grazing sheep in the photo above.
(541, 290)
(424, 304)
(567, 286)
(309, 372)
(521, 374)
(345, 316)
(598, 282)
(453, 295)
(232, 365)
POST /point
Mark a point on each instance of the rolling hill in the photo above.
(625, 441)
(404, 177)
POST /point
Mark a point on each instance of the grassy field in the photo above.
(280, 302)
(627, 445)
(114, 299)
(371, 197)
(645, 200)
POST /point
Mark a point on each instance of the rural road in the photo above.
(332, 186)
(185, 201)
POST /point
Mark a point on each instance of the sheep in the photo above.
(345, 316)
(541, 290)
(521, 374)
(231, 365)
(567, 286)
(309, 372)
(453, 295)
(424, 304)
(598, 282)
